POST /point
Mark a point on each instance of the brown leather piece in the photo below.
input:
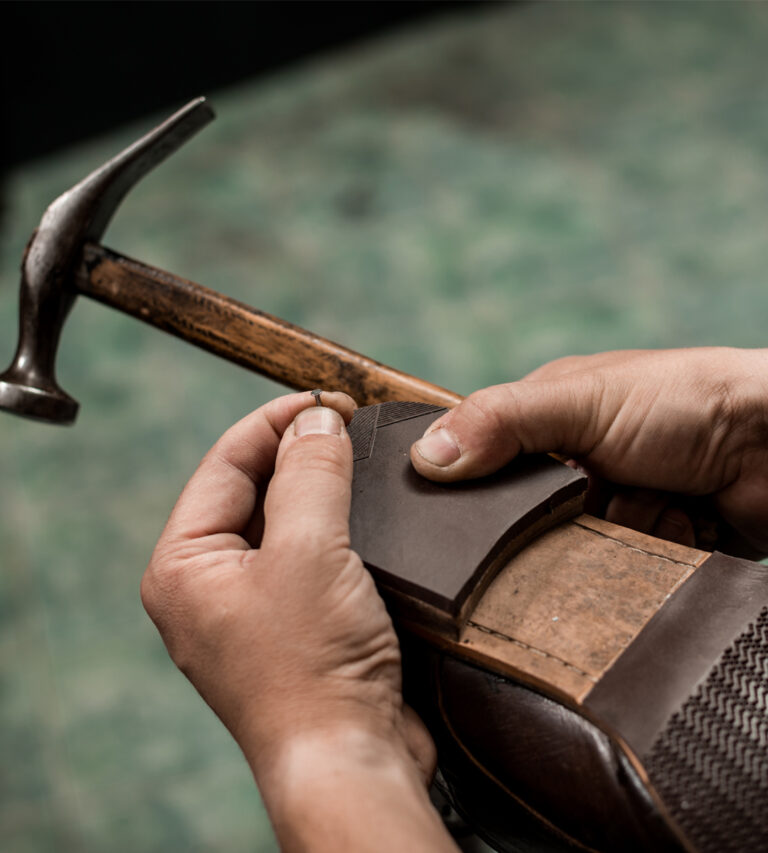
(438, 542)
(529, 773)
(529, 765)
(532, 773)
(565, 607)
(678, 648)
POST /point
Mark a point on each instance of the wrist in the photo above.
(309, 757)
(342, 788)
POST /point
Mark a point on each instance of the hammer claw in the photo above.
(78, 216)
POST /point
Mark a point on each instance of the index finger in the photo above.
(221, 495)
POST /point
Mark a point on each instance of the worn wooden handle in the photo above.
(251, 338)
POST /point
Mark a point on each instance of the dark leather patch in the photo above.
(367, 420)
(675, 652)
(433, 541)
(530, 773)
(362, 431)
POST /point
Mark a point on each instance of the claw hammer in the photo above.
(64, 259)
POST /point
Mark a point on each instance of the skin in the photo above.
(664, 435)
(272, 617)
(264, 607)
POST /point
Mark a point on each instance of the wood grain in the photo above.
(246, 336)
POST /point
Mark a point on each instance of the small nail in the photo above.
(438, 448)
(318, 421)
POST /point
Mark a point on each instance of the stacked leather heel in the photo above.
(588, 687)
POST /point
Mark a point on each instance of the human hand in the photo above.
(282, 631)
(652, 429)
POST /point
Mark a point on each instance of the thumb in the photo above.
(307, 503)
(491, 427)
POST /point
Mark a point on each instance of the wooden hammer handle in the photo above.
(248, 337)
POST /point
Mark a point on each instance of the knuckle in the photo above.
(316, 543)
(482, 411)
(148, 592)
(720, 395)
(485, 426)
(161, 583)
(315, 455)
(565, 364)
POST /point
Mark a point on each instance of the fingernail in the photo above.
(572, 463)
(318, 421)
(438, 448)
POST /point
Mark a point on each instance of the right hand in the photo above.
(657, 427)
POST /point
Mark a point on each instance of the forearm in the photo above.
(349, 790)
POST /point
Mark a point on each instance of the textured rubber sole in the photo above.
(710, 764)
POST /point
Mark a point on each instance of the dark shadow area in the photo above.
(73, 69)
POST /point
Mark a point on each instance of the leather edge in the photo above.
(675, 651)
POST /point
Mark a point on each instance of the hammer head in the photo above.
(28, 387)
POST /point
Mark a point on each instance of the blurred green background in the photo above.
(464, 200)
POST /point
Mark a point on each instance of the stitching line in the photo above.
(661, 602)
(633, 547)
(570, 666)
(532, 649)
